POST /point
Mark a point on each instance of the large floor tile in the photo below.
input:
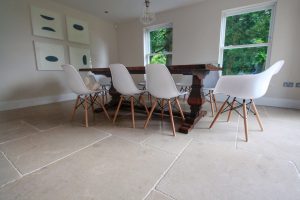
(13, 130)
(216, 172)
(282, 143)
(111, 169)
(7, 172)
(154, 195)
(38, 150)
(167, 142)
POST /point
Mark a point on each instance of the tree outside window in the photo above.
(158, 45)
(246, 40)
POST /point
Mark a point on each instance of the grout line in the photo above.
(28, 124)
(167, 170)
(164, 194)
(159, 149)
(66, 156)
(296, 168)
(13, 166)
(12, 181)
(16, 139)
(145, 140)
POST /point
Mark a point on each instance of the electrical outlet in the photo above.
(297, 84)
(288, 84)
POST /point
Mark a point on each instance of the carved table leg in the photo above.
(195, 100)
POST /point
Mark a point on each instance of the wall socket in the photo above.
(288, 84)
(297, 84)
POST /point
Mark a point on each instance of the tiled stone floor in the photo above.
(45, 156)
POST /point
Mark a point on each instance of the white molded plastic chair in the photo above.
(185, 84)
(246, 87)
(124, 84)
(85, 96)
(105, 84)
(209, 84)
(161, 85)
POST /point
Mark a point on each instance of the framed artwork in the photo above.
(80, 57)
(46, 23)
(77, 30)
(49, 56)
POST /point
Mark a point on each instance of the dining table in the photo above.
(195, 99)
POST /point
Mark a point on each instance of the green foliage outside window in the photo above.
(245, 29)
(161, 43)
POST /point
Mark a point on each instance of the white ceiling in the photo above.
(123, 10)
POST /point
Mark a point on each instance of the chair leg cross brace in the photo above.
(246, 109)
(161, 105)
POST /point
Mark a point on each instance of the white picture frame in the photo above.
(80, 57)
(46, 23)
(78, 30)
(49, 56)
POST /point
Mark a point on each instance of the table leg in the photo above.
(195, 100)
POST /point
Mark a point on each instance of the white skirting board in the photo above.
(9, 105)
(268, 101)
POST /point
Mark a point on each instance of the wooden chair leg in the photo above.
(150, 114)
(211, 102)
(142, 100)
(180, 109)
(104, 109)
(257, 115)
(171, 117)
(92, 100)
(118, 108)
(162, 108)
(231, 108)
(75, 108)
(218, 114)
(86, 111)
(245, 119)
(132, 111)
(215, 102)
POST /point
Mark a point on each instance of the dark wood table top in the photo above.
(188, 69)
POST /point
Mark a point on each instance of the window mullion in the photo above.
(247, 46)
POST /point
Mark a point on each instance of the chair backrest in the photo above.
(74, 80)
(122, 80)
(160, 82)
(91, 82)
(103, 80)
(248, 86)
(211, 79)
(186, 80)
(263, 79)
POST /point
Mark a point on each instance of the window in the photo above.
(158, 42)
(246, 38)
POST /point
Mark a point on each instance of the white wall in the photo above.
(196, 34)
(21, 83)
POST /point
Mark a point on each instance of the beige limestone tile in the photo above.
(206, 171)
(277, 141)
(36, 151)
(154, 195)
(46, 122)
(167, 142)
(111, 169)
(7, 172)
(14, 130)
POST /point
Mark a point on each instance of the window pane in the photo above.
(161, 40)
(244, 60)
(249, 28)
(161, 59)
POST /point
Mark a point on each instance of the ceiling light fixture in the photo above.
(148, 17)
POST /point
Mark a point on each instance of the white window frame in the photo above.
(147, 45)
(243, 10)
